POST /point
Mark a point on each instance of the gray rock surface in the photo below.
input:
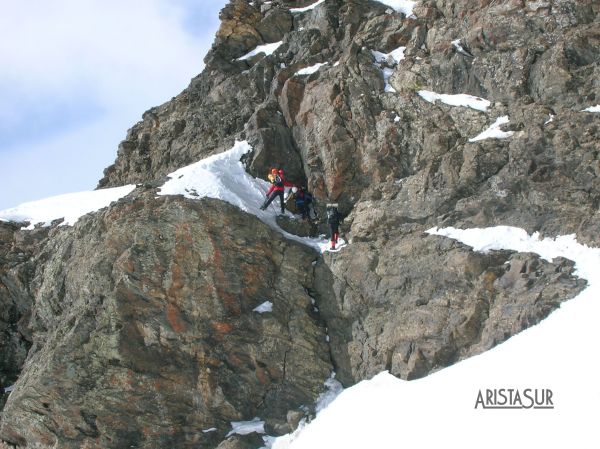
(427, 302)
(135, 303)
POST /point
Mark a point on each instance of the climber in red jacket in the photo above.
(278, 185)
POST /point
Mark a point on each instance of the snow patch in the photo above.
(247, 427)
(403, 6)
(265, 307)
(9, 389)
(310, 70)
(477, 103)
(386, 62)
(70, 207)
(592, 109)
(494, 131)
(459, 48)
(306, 8)
(212, 429)
(550, 119)
(267, 49)
(543, 356)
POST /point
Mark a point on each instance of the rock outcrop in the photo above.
(144, 332)
(140, 317)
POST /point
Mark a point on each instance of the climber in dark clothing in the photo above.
(277, 189)
(333, 220)
(303, 199)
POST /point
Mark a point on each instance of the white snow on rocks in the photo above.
(310, 70)
(267, 49)
(334, 388)
(9, 389)
(494, 131)
(386, 62)
(392, 58)
(465, 100)
(459, 48)
(223, 176)
(557, 354)
(247, 427)
(70, 206)
(265, 307)
(403, 6)
(306, 8)
(592, 109)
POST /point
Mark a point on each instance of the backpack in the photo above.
(332, 216)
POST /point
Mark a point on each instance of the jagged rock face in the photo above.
(17, 254)
(206, 117)
(136, 303)
(144, 331)
(426, 303)
(340, 131)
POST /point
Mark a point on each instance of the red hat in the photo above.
(281, 172)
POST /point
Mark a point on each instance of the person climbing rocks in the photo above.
(303, 199)
(278, 185)
(333, 220)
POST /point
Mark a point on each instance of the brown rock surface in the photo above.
(144, 330)
(156, 291)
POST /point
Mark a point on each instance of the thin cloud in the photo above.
(70, 65)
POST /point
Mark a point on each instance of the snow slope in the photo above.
(439, 410)
(70, 206)
(224, 177)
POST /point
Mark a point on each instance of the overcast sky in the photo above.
(76, 74)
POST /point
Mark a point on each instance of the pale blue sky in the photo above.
(76, 74)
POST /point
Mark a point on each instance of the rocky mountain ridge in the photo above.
(135, 327)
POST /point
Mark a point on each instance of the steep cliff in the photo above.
(136, 326)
